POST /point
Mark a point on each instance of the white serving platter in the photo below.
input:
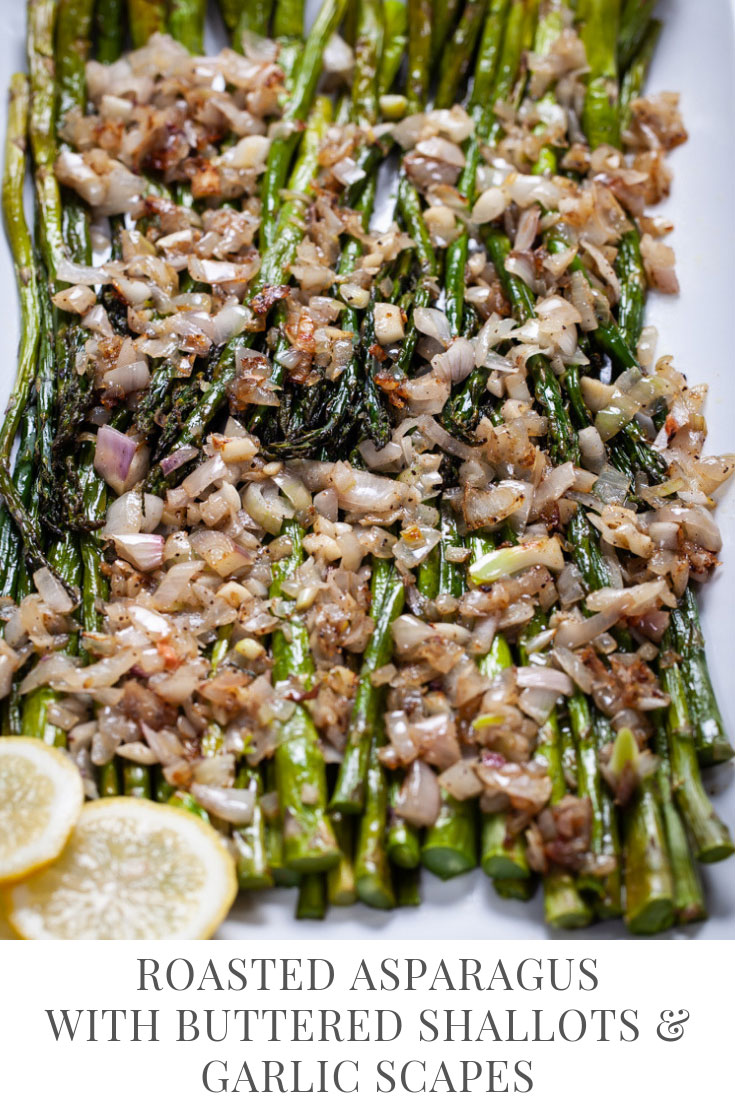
(696, 57)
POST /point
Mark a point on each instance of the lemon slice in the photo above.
(7, 933)
(132, 870)
(40, 799)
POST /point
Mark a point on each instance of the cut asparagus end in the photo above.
(649, 887)
(312, 900)
(375, 890)
(405, 854)
(445, 861)
(653, 917)
(408, 888)
(314, 853)
(513, 888)
(564, 907)
(499, 860)
(504, 867)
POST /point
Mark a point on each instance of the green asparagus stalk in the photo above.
(109, 23)
(498, 61)
(109, 780)
(562, 440)
(419, 53)
(25, 275)
(42, 123)
(649, 885)
(186, 23)
(368, 51)
(402, 840)
(288, 30)
(635, 77)
(146, 17)
(288, 20)
(12, 567)
(387, 603)
(514, 888)
(181, 799)
(408, 887)
(297, 109)
(395, 40)
(312, 898)
(372, 869)
(710, 836)
(689, 902)
(713, 745)
(501, 858)
(599, 21)
(309, 844)
(444, 17)
(564, 906)
(252, 859)
(341, 888)
(282, 876)
(450, 845)
(634, 23)
(464, 41)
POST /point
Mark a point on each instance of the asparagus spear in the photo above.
(463, 47)
(388, 595)
(689, 902)
(603, 834)
(563, 444)
(372, 869)
(25, 275)
(419, 53)
(631, 305)
(12, 567)
(282, 876)
(289, 19)
(408, 887)
(368, 51)
(146, 17)
(494, 73)
(711, 739)
(599, 21)
(500, 858)
(109, 780)
(649, 885)
(450, 845)
(444, 17)
(341, 889)
(402, 839)
(288, 30)
(312, 898)
(186, 23)
(109, 22)
(635, 76)
(395, 39)
(564, 906)
(634, 24)
(297, 109)
(252, 858)
(710, 836)
(309, 844)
